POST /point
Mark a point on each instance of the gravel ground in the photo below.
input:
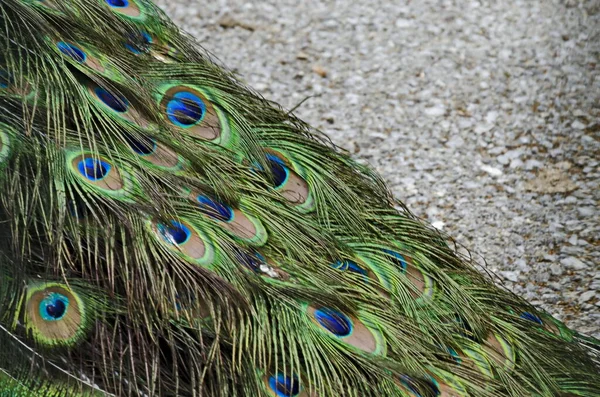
(483, 116)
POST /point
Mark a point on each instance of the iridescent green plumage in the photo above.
(169, 232)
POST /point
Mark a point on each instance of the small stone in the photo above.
(481, 128)
(586, 297)
(435, 111)
(491, 170)
(586, 211)
(439, 225)
(510, 275)
(320, 71)
(555, 269)
(573, 263)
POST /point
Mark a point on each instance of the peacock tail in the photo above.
(169, 232)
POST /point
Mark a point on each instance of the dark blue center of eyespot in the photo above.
(252, 261)
(532, 317)
(349, 266)
(177, 233)
(54, 306)
(118, 3)
(397, 259)
(414, 387)
(215, 209)
(432, 387)
(5, 79)
(185, 109)
(139, 43)
(142, 145)
(93, 169)
(72, 51)
(334, 321)
(279, 170)
(117, 103)
(285, 386)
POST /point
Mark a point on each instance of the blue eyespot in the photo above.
(349, 266)
(72, 51)
(397, 259)
(252, 260)
(413, 386)
(186, 109)
(139, 43)
(6, 80)
(142, 145)
(54, 307)
(334, 321)
(177, 233)
(285, 386)
(215, 209)
(93, 169)
(118, 3)
(532, 317)
(279, 170)
(116, 102)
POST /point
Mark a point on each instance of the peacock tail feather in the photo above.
(169, 232)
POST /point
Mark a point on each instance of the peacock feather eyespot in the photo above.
(54, 307)
(175, 233)
(185, 240)
(397, 259)
(236, 221)
(98, 172)
(190, 109)
(126, 8)
(153, 152)
(139, 43)
(282, 385)
(334, 321)
(279, 171)
(215, 209)
(251, 260)
(352, 267)
(142, 145)
(286, 179)
(116, 102)
(422, 286)
(54, 314)
(359, 333)
(186, 109)
(94, 169)
(72, 51)
(532, 317)
(255, 262)
(421, 387)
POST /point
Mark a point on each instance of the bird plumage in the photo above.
(169, 232)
